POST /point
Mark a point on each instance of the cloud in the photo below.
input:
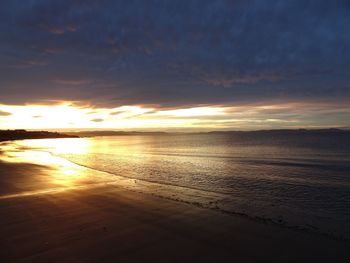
(174, 53)
(118, 112)
(56, 30)
(53, 50)
(97, 120)
(4, 113)
(229, 81)
(27, 64)
(245, 116)
(72, 28)
(59, 30)
(72, 82)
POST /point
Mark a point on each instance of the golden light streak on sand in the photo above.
(51, 191)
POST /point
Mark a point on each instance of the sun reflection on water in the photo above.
(57, 171)
(60, 146)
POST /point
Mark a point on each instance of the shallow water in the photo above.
(296, 180)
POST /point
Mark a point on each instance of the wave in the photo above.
(335, 165)
(219, 201)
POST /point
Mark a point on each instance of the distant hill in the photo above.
(112, 133)
(276, 132)
(286, 132)
(6, 135)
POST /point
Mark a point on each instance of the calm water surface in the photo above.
(301, 181)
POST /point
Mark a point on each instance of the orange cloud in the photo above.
(97, 120)
(4, 113)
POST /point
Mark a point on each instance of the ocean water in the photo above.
(295, 180)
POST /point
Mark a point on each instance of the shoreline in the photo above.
(198, 232)
(258, 219)
(310, 229)
(146, 187)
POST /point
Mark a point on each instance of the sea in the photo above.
(298, 180)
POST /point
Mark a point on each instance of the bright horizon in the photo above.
(72, 116)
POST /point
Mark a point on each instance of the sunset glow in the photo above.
(67, 115)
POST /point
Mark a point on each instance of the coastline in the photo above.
(65, 218)
(14, 135)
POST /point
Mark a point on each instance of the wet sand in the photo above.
(87, 219)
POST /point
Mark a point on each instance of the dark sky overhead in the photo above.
(175, 54)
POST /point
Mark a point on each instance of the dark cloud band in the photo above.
(174, 53)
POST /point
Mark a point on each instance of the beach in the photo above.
(53, 210)
(174, 131)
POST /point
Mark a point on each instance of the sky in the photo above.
(174, 65)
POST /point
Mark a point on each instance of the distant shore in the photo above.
(21, 134)
(9, 135)
(93, 133)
